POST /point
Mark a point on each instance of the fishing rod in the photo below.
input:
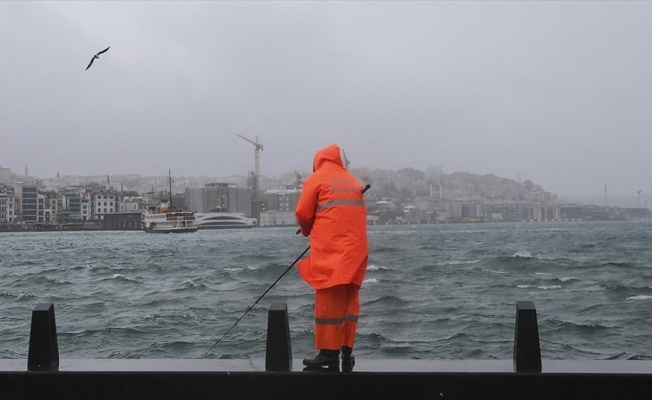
(269, 288)
(256, 302)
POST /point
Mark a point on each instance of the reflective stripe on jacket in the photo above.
(331, 211)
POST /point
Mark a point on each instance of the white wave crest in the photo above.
(639, 298)
(549, 287)
(370, 280)
(494, 271)
(122, 277)
(461, 262)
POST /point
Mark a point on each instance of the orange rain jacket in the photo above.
(331, 211)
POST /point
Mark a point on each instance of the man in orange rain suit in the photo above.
(332, 212)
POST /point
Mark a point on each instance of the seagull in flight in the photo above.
(96, 57)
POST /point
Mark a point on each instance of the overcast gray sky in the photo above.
(559, 93)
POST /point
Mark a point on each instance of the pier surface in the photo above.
(371, 379)
(386, 366)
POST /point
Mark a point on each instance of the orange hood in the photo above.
(327, 154)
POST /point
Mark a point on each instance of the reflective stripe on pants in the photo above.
(336, 316)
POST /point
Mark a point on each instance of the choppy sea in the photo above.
(431, 291)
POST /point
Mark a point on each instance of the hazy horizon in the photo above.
(626, 200)
(553, 92)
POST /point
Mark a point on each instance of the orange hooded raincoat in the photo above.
(331, 211)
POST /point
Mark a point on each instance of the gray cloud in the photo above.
(555, 92)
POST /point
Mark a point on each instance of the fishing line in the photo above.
(256, 302)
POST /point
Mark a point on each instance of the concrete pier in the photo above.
(44, 376)
(371, 379)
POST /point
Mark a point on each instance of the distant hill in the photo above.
(399, 185)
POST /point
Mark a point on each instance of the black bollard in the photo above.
(43, 347)
(527, 351)
(278, 355)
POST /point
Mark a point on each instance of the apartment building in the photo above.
(224, 197)
(30, 204)
(7, 207)
(5, 175)
(101, 202)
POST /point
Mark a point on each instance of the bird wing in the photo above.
(90, 63)
(103, 50)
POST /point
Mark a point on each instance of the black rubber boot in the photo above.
(348, 361)
(325, 358)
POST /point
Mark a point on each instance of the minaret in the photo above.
(108, 182)
(26, 171)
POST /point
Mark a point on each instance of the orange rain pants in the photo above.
(336, 316)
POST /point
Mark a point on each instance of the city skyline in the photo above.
(413, 196)
(638, 199)
(552, 92)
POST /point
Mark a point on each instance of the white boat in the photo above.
(164, 219)
(223, 220)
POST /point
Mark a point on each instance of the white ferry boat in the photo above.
(164, 219)
(223, 220)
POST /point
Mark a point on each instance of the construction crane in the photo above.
(346, 160)
(257, 148)
(298, 182)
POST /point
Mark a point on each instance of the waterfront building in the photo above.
(3, 207)
(52, 206)
(51, 183)
(385, 210)
(132, 203)
(29, 203)
(428, 203)
(472, 212)
(177, 201)
(225, 197)
(211, 196)
(85, 208)
(5, 175)
(71, 202)
(123, 221)
(278, 218)
(240, 200)
(7, 204)
(102, 202)
(281, 200)
(278, 207)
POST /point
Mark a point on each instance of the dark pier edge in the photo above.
(279, 376)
